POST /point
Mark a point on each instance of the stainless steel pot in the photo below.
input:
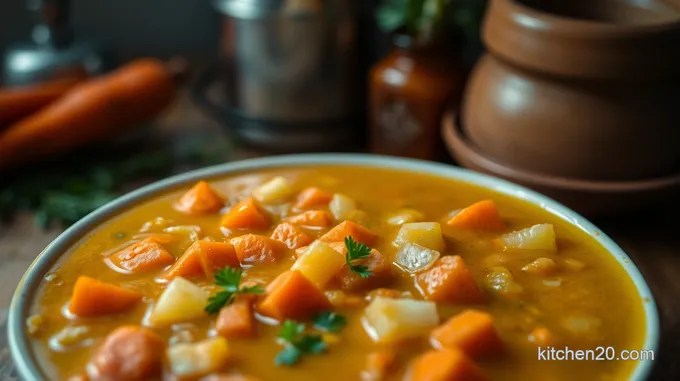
(289, 65)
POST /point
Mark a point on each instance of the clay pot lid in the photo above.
(621, 40)
(588, 197)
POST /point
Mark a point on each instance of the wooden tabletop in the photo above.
(652, 240)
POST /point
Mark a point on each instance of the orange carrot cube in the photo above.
(379, 266)
(203, 258)
(471, 331)
(245, 215)
(312, 197)
(291, 235)
(350, 229)
(312, 218)
(236, 320)
(445, 365)
(201, 199)
(252, 248)
(144, 255)
(292, 296)
(92, 297)
(449, 280)
(482, 215)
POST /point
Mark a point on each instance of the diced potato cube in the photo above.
(389, 320)
(181, 301)
(319, 263)
(274, 191)
(541, 266)
(413, 258)
(341, 206)
(198, 359)
(427, 234)
(537, 237)
(404, 216)
(500, 279)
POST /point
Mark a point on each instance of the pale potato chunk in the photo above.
(388, 320)
(181, 301)
(319, 263)
(541, 266)
(198, 359)
(426, 234)
(275, 191)
(537, 237)
(404, 216)
(341, 206)
(414, 258)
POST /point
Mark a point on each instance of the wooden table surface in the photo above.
(652, 240)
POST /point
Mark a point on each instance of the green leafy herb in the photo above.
(297, 343)
(329, 321)
(357, 251)
(229, 280)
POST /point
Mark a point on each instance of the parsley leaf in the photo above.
(329, 321)
(229, 280)
(357, 251)
(297, 343)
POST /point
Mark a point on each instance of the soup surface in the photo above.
(334, 273)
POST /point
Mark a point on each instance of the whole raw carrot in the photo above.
(20, 102)
(93, 111)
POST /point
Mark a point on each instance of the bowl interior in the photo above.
(24, 297)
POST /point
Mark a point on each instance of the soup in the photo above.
(335, 273)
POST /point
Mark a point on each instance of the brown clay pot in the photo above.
(581, 89)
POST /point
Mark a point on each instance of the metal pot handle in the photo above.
(198, 92)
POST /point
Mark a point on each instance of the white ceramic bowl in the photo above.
(20, 347)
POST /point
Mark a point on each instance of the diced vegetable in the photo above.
(201, 199)
(275, 191)
(427, 234)
(35, 324)
(350, 229)
(341, 299)
(92, 297)
(320, 263)
(292, 296)
(245, 215)
(379, 365)
(198, 359)
(404, 216)
(252, 248)
(129, 353)
(203, 258)
(312, 197)
(229, 282)
(194, 232)
(414, 258)
(71, 337)
(449, 280)
(236, 320)
(291, 235)
(537, 237)
(376, 264)
(145, 255)
(500, 279)
(482, 215)
(541, 336)
(471, 331)
(312, 218)
(541, 266)
(181, 301)
(341, 205)
(446, 365)
(574, 264)
(391, 320)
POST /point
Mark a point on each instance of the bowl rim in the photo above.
(24, 357)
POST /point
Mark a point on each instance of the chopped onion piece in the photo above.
(193, 231)
(414, 258)
(404, 216)
(555, 282)
(537, 237)
(274, 191)
(341, 206)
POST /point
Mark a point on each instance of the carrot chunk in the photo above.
(92, 297)
(446, 365)
(291, 235)
(201, 199)
(252, 248)
(312, 218)
(245, 215)
(379, 365)
(542, 337)
(482, 215)
(379, 266)
(347, 229)
(203, 258)
(449, 280)
(144, 255)
(471, 331)
(236, 320)
(129, 353)
(312, 197)
(292, 296)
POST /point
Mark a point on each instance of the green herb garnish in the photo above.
(297, 343)
(229, 279)
(329, 322)
(357, 251)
